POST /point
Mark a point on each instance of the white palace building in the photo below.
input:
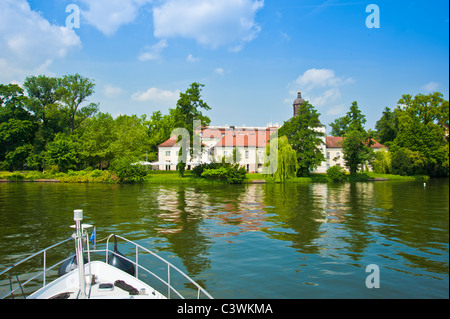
(220, 141)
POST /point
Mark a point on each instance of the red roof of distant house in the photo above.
(336, 142)
(252, 138)
(243, 138)
(170, 142)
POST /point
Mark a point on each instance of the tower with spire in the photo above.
(297, 103)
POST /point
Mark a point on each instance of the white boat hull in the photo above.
(104, 274)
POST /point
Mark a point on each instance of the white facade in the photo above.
(220, 142)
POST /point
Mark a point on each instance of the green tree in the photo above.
(356, 149)
(74, 90)
(423, 130)
(386, 127)
(406, 162)
(96, 139)
(130, 137)
(339, 126)
(44, 99)
(287, 160)
(62, 152)
(305, 138)
(159, 128)
(44, 104)
(357, 141)
(382, 162)
(189, 107)
(17, 127)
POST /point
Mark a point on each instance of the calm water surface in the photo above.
(255, 241)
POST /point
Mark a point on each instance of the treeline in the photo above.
(416, 133)
(50, 124)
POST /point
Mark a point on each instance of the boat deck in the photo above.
(105, 286)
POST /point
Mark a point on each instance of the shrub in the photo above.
(335, 174)
(127, 172)
(16, 177)
(232, 174)
(198, 170)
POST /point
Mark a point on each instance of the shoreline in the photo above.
(187, 180)
(173, 178)
(31, 181)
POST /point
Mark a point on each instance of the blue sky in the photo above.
(252, 55)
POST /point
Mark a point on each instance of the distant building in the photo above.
(219, 142)
(335, 153)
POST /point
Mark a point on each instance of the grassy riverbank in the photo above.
(172, 177)
(364, 177)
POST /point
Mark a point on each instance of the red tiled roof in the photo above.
(212, 133)
(169, 143)
(249, 138)
(336, 142)
(172, 142)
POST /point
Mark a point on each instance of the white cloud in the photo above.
(28, 42)
(156, 95)
(109, 15)
(153, 52)
(321, 87)
(314, 78)
(211, 23)
(191, 58)
(112, 91)
(325, 98)
(219, 71)
(431, 87)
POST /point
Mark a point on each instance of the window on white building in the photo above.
(167, 153)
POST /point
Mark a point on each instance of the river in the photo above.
(259, 240)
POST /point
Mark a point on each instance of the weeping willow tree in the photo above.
(287, 160)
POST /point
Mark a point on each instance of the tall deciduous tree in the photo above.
(339, 126)
(96, 139)
(44, 104)
(305, 138)
(17, 127)
(189, 108)
(130, 137)
(74, 90)
(422, 135)
(357, 141)
(159, 128)
(386, 127)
